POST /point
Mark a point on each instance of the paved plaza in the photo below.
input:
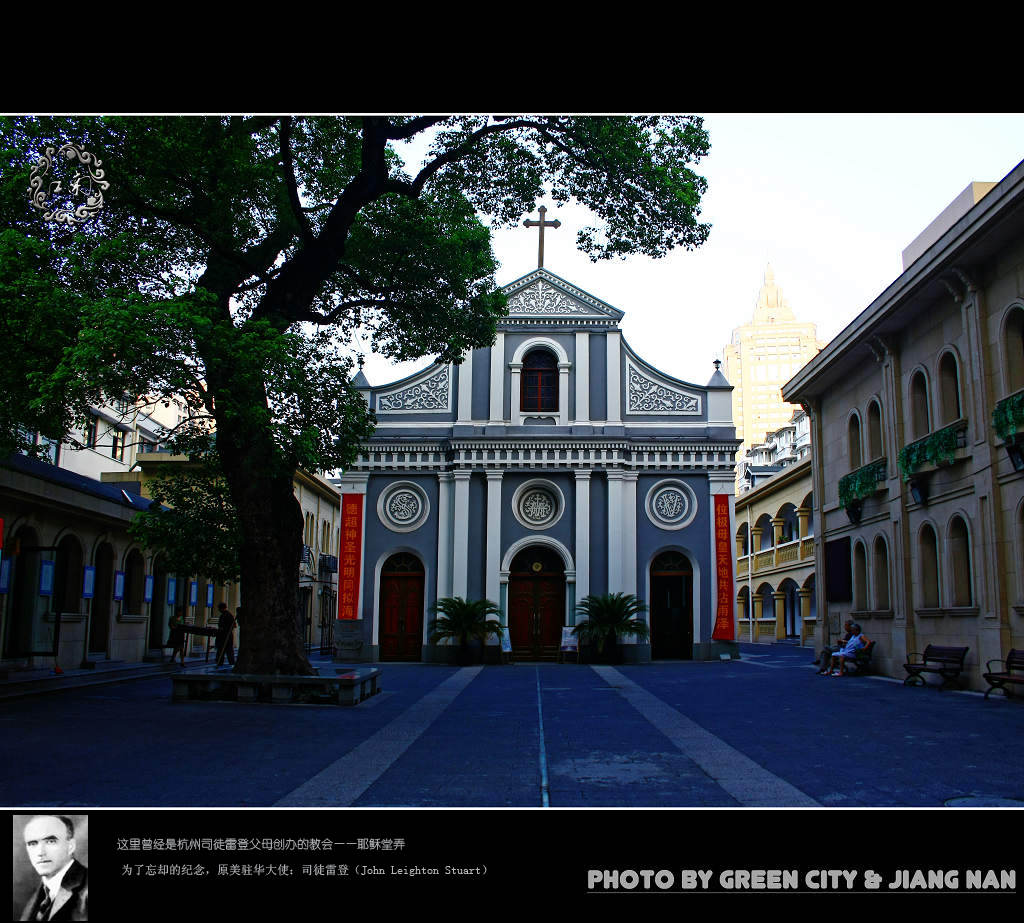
(763, 731)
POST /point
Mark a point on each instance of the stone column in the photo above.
(777, 525)
(805, 611)
(755, 631)
(497, 412)
(803, 515)
(755, 544)
(492, 577)
(582, 414)
(780, 613)
(460, 554)
(444, 534)
(582, 549)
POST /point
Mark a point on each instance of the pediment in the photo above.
(542, 294)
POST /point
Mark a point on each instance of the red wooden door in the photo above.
(401, 613)
(536, 613)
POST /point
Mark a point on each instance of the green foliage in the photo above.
(32, 342)
(464, 620)
(609, 617)
(862, 483)
(934, 449)
(192, 521)
(1008, 416)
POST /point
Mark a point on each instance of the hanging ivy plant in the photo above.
(1008, 416)
(862, 483)
(935, 449)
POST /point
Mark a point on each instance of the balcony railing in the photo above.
(328, 564)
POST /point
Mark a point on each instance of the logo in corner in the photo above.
(56, 200)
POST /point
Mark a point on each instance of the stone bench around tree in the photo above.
(348, 687)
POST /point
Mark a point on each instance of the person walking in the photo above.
(177, 639)
(225, 635)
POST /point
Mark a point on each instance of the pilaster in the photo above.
(615, 526)
(466, 389)
(497, 411)
(460, 561)
(492, 578)
(613, 376)
(582, 414)
(444, 534)
(582, 549)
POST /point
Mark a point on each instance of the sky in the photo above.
(829, 200)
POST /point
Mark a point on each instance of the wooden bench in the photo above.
(998, 679)
(947, 662)
(348, 687)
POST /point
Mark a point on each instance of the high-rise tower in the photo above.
(763, 356)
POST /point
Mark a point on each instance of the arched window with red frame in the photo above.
(539, 382)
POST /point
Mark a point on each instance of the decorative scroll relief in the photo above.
(403, 507)
(671, 504)
(429, 395)
(646, 396)
(544, 299)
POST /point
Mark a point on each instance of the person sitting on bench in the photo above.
(825, 656)
(847, 652)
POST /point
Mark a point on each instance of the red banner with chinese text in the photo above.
(724, 630)
(350, 563)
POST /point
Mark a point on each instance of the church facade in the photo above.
(554, 464)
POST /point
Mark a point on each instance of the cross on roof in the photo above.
(529, 223)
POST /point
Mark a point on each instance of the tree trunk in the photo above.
(271, 637)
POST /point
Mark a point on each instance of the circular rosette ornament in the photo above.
(403, 507)
(671, 504)
(62, 177)
(538, 504)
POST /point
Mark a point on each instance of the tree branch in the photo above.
(305, 231)
(315, 317)
(413, 127)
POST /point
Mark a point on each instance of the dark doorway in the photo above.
(671, 607)
(99, 621)
(401, 608)
(67, 578)
(536, 604)
(24, 592)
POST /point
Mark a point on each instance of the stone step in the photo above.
(46, 681)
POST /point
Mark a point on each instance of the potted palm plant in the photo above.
(608, 618)
(463, 621)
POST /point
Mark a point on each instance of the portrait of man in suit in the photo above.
(61, 883)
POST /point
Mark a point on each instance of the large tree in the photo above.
(235, 259)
